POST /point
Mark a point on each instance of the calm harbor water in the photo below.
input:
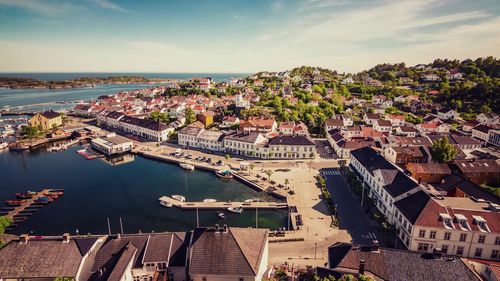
(96, 190)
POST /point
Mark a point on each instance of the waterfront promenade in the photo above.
(223, 205)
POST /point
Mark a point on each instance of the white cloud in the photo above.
(49, 8)
(106, 4)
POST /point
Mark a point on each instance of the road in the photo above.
(352, 217)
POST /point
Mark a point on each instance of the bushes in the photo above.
(328, 199)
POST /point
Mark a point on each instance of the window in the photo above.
(204, 278)
(432, 235)
(447, 235)
(463, 237)
(495, 254)
(481, 238)
(497, 240)
(421, 233)
(478, 252)
(423, 247)
(460, 251)
(444, 248)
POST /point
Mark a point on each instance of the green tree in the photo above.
(287, 181)
(252, 166)
(268, 173)
(4, 223)
(30, 132)
(443, 151)
(190, 117)
(159, 116)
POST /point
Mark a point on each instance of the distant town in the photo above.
(394, 165)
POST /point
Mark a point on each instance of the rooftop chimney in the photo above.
(375, 246)
(66, 238)
(225, 228)
(118, 236)
(361, 266)
(23, 238)
(216, 226)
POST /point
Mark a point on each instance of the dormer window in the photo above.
(462, 221)
(446, 220)
(481, 223)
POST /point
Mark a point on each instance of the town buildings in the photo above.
(47, 120)
(212, 253)
(112, 144)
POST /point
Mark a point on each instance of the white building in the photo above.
(383, 126)
(291, 147)
(457, 225)
(448, 114)
(383, 181)
(243, 143)
(488, 118)
(112, 144)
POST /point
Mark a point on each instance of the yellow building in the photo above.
(206, 118)
(47, 120)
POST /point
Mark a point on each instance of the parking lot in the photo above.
(324, 149)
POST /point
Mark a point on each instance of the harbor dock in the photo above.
(18, 210)
(223, 205)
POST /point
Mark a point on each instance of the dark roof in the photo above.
(398, 265)
(113, 114)
(291, 140)
(384, 123)
(331, 122)
(125, 256)
(400, 184)
(456, 181)
(162, 246)
(50, 114)
(40, 258)
(337, 252)
(144, 123)
(482, 128)
(371, 159)
(230, 252)
(412, 206)
(85, 244)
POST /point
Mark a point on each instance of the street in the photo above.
(352, 217)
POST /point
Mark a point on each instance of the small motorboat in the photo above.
(209, 200)
(25, 195)
(237, 210)
(252, 200)
(227, 174)
(186, 166)
(166, 204)
(15, 202)
(221, 215)
(179, 198)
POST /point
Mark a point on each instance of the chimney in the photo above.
(23, 239)
(118, 236)
(225, 228)
(216, 226)
(361, 266)
(437, 253)
(66, 238)
(375, 246)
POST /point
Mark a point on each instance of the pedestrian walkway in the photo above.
(330, 173)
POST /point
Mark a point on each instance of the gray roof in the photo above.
(243, 136)
(50, 114)
(43, 258)
(230, 252)
(291, 140)
(400, 265)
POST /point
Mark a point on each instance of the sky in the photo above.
(241, 35)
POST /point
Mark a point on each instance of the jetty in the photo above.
(18, 210)
(223, 205)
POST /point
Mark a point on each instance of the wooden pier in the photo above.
(223, 205)
(26, 205)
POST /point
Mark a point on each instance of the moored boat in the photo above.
(179, 198)
(227, 174)
(186, 166)
(209, 200)
(237, 210)
(25, 195)
(166, 204)
(15, 202)
(3, 145)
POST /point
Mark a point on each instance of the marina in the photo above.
(96, 191)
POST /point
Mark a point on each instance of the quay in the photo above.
(26, 205)
(223, 205)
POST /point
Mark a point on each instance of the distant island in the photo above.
(84, 82)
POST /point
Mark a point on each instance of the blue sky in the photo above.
(240, 35)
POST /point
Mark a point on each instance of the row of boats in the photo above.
(26, 211)
(225, 174)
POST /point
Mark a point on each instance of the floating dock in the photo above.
(27, 206)
(223, 205)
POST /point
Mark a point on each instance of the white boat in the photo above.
(237, 210)
(187, 166)
(179, 198)
(209, 200)
(252, 200)
(4, 145)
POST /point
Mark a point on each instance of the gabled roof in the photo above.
(230, 252)
(394, 264)
(50, 114)
(43, 258)
(291, 140)
(412, 206)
